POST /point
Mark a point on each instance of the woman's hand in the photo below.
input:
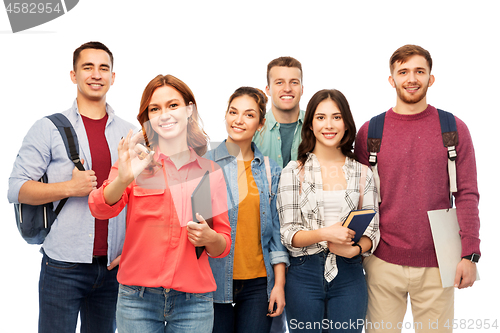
(346, 251)
(337, 234)
(133, 157)
(200, 234)
(276, 299)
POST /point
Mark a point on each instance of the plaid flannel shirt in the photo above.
(301, 206)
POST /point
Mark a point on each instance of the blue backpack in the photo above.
(450, 141)
(34, 222)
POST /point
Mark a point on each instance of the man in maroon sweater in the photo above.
(412, 165)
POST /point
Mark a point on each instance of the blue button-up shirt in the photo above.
(274, 252)
(268, 139)
(71, 238)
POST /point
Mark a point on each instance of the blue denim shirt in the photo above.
(71, 238)
(274, 252)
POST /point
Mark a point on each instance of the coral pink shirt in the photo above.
(157, 252)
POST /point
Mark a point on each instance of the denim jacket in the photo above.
(273, 250)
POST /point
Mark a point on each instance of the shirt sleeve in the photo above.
(360, 148)
(98, 206)
(278, 253)
(33, 158)
(288, 205)
(467, 196)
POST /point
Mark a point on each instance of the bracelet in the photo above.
(360, 248)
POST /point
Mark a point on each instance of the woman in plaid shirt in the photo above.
(325, 285)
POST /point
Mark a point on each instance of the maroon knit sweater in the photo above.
(412, 165)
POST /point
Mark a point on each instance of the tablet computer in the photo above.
(201, 203)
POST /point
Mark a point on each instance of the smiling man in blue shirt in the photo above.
(80, 253)
(281, 134)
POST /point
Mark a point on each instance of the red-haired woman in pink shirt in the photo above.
(163, 286)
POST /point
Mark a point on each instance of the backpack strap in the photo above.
(69, 137)
(450, 141)
(70, 140)
(374, 141)
(268, 174)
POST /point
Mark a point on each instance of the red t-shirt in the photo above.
(101, 164)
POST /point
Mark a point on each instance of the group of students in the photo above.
(281, 184)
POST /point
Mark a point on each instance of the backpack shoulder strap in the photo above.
(70, 140)
(375, 131)
(69, 137)
(268, 174)
(450, 141)
(374, 141)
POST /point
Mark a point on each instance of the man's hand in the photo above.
(82, 182)
(114, 263)
(466, 274)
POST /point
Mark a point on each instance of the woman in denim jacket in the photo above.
(252, 276)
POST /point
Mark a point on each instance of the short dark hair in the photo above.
(309, 140)
(405, 52)
(91, 45)
(284, 62)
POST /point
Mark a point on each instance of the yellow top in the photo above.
(248, 257)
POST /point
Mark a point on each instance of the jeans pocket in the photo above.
(60, 264)
(205, 296)
(125, 290)
(298, 261)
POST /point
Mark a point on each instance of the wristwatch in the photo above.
(473, 257)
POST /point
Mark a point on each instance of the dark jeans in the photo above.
(249, 313)
(309, 297)
(67, 289)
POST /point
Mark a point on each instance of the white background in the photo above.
(218, 46)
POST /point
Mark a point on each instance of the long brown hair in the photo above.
(309, 140)
(196, 136)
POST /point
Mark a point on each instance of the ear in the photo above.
(112, 78)
(268, 91)
(391, 81)
(262, 123)
(190, 109)
(72, 76)
(431, 80)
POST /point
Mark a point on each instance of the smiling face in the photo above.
(93, 75)
(242, 119)
(327, 125)
(285, 88)
(411, 80)
(168, 114)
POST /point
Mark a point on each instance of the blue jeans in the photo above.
(309, 297)
(249, 314)
(66, 289)
(155, 310)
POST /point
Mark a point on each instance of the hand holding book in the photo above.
(358, 220)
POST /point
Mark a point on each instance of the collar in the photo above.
(193, 157)
(221, 153)
(74, 114)
(271, 120)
